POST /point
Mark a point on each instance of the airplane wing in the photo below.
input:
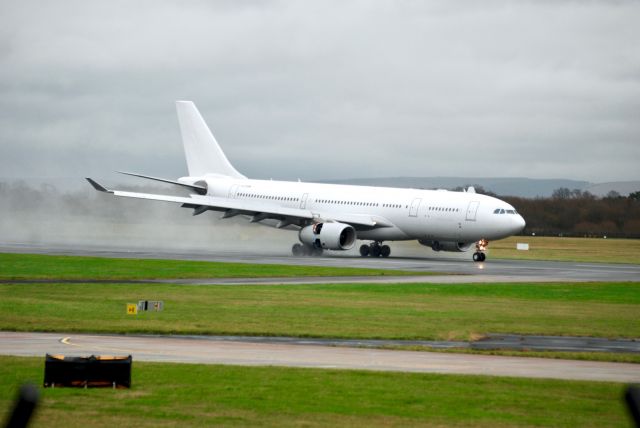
(368, 221)
(256, 209)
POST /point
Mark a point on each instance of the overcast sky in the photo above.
(324, 90)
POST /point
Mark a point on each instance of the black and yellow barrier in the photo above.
(84, 372)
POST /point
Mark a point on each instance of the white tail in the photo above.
(204, 155)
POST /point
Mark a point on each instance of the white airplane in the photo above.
(332, 216)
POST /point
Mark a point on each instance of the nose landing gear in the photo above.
(479, 257)
(481, 246)
(375, 249)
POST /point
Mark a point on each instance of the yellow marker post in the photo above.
(132, 309)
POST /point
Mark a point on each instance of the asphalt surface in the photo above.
(511, 342)
(194, 350)
(493, 270)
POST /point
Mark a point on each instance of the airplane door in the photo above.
(232, 191)
(303, 201)
(472, 209)
(413, 211)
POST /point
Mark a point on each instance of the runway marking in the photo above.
(67, 341)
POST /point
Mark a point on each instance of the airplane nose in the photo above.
(520, 223)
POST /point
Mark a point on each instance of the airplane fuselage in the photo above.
(429, 215)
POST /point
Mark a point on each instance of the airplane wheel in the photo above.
(375, 250)
(316, 252)
(297, 250)
(364, 250)
(479, 257)
(385, 250)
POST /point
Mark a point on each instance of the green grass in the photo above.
(167, 395)
(35, 266)
(593, 250)
(404, 311)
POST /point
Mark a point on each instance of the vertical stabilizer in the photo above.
(204, 155)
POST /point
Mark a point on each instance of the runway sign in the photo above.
(132, 309)
(522, 247)
(150, 305)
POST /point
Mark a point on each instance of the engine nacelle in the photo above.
(328, 236)
(457, 247)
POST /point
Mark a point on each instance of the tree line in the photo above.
(574, 212)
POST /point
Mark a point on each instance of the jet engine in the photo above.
(328, 236)
(446, 245)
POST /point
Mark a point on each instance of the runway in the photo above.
(463, 271)
(193, 350)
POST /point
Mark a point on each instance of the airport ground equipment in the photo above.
(84, 372)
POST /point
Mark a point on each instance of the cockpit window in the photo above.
(503, 211)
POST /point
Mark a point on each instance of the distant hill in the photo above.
(622, 187)
(506, 186)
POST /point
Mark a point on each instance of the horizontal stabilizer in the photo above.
(200, 189)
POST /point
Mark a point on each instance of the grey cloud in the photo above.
(324, 90)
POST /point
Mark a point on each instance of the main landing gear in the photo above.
(300, 250)
(481, 246)
(375, 249)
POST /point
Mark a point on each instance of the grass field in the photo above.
(166, 395)
(35, 266)
(592, 250)
(405, 311)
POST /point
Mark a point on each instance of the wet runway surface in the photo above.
(211, 351)
(509, 342)
(493, 270)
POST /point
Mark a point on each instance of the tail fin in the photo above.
(204, 155)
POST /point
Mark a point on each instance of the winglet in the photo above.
(97, 186)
